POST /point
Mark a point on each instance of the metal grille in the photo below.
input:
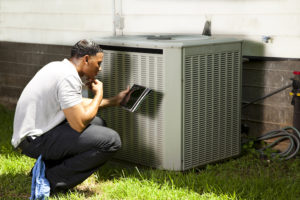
(142, 132)
(211, 107)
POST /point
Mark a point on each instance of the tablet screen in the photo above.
(132, 96)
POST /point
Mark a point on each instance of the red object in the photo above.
(296, 72)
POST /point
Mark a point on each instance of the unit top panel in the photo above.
(161, 41)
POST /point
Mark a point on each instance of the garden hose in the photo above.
(288, 133)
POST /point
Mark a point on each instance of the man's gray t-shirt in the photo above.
(55, 87)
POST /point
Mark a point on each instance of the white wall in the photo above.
(66, 21)
(54, 21)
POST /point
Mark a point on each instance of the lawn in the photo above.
(245, 177)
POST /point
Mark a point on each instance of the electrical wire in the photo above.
(288, 133)
(270, 94)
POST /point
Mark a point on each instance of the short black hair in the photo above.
(85, 47)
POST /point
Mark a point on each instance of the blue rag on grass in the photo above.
(40, 187)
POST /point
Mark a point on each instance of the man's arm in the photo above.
(113, 101)
(104, 103)
(80, 115)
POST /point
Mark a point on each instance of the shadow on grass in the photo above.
(245, 177)
(15, 186)
(77, 192)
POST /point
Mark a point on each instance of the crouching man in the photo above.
(53, 120)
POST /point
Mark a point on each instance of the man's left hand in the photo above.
(119, 97)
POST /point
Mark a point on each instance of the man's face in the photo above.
(93, 65)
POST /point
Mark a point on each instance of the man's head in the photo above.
(85, 47)
(87, 56)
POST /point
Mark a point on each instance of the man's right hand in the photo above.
(97, 86)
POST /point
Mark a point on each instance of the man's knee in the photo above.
(102, 138)
(115, 141)
(108, 140)
(98, 121)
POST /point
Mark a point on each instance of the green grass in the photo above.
(246, 177)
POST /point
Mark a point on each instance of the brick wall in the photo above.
(259, 79)
(20, 61)
(18, 64)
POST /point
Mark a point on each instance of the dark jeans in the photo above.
(71, 157)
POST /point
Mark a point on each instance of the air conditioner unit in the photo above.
(193, 115)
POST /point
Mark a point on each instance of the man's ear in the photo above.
(86, 58)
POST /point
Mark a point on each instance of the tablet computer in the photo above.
(134, 97)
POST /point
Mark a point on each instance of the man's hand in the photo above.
(114, 101)
(119, 97)
(96, 86)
